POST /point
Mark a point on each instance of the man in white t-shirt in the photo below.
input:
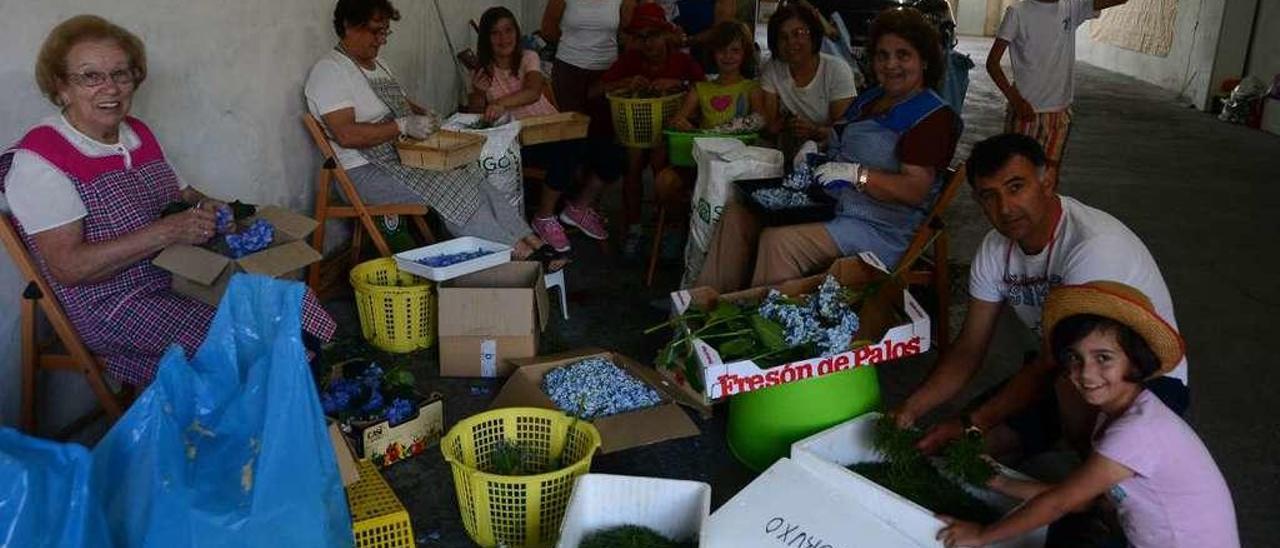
(1041, 38)
(1041, 240)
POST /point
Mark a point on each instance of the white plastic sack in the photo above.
(500, 157)
(720, 162)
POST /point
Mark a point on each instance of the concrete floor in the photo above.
(1199, 192)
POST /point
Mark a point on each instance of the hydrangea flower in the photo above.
(224, 220)
(448, 259)
(825, 318)
(255, 238)
(399, 411)
(775, 198)
(595, 387)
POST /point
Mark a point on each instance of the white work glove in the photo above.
(802, 155)
(417, 127)
(837, 175)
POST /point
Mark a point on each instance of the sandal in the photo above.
(548, 255)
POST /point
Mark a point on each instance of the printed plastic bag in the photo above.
(229, 449)
(721, 161)
(500, 157)
(44, 494)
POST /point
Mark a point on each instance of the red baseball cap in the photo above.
(649, 16)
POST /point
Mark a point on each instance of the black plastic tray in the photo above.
(823, 209)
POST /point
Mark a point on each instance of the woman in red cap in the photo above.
(652, 62)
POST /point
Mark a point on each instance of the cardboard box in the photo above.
(489, 317)
(665, 421)
(879, 316)
(829, 452)
(384, 445)
(204, 274)
(344, 454)
(676, 509)
(790, 505)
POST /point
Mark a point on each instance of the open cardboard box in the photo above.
(880, 317)
(489, 317)
(665, 421)
(204, 274)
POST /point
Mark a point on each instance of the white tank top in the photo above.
(589, 33)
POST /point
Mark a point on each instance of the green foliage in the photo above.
(506, 458)
(630, 536)
(768, 332)
(907, 472)
(962, 459)
(924, 485)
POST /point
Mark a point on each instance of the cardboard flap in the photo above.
(344, 454)
(493, 302)
(279, 260)
(485, 312)
(542, 304)
(289, 226)
(193, 263)
(643, 427)
(524, 389)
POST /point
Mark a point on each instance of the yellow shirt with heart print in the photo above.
(721, 103)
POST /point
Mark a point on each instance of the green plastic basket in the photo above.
(680, 144)
(764, 423)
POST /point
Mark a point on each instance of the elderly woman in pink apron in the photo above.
(86, 188)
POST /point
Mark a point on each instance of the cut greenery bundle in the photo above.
(631, 536)
(907, 472)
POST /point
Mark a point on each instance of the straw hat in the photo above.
(1123, 304)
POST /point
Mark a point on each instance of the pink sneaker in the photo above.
(552, 233)
(586, 219)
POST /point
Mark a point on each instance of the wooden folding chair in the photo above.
(40, 355)
(331, 172)
(930, 269)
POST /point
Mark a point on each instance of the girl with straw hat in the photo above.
(1166, 487)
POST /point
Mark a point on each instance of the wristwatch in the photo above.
(860, 185)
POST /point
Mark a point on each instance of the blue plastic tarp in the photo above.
(227, 449)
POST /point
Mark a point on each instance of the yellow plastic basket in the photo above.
(377, 517)
(639, 122)
(517, 510)
(397, 309)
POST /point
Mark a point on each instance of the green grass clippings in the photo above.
(630, 536)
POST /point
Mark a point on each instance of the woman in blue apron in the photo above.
(887, 154)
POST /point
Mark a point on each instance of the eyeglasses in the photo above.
(383, 31)
(93, 79)
(797, 34)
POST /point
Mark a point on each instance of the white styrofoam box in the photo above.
(497, 254)
(676, 509)
(829, 452)
(790, 505)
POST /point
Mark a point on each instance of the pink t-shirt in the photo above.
(1176, 498)
(503, 83)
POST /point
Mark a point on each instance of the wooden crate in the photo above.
(561, 126)
(442, 151)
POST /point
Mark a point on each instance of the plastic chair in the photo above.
(332, 172)
(38, 355)
(932, 271)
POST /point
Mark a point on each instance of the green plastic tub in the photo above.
(764, 423)
(680, 144)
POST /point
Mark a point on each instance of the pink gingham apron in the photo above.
(131, 318)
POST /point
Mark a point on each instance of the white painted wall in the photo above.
(1264, 53)
(1187, 70)
(224, 94)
